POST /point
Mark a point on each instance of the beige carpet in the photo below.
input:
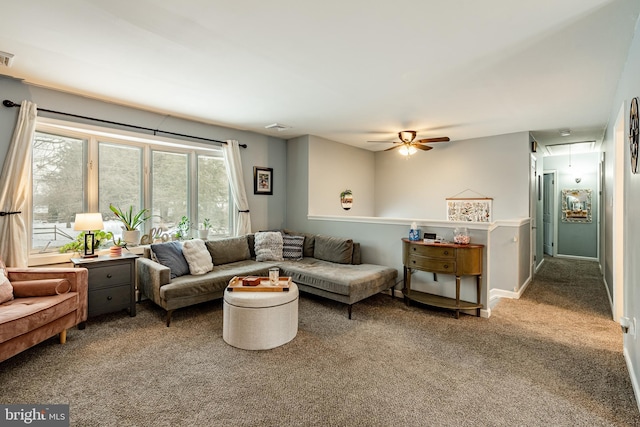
(554, 357)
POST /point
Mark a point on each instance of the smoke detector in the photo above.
(277, 126)
(565, 132)
(6, 59)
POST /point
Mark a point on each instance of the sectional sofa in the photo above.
(326, 266)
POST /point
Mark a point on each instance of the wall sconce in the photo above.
(88, 222)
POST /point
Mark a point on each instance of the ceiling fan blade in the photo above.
(422, 147)
(441, 139)
(387, 142)
(394, 147)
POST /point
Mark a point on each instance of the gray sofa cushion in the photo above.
(170, 255)
(194, 287)
(355, 281)
(228, 250)
(333, 249)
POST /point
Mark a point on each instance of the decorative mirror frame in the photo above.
(633, 134)
(576, 205)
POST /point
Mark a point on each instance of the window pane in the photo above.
(58, 189)
(213, 194)
(119, 182)
(169, 189)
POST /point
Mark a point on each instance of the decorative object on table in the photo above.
(472, 209)
(461, 236)
(258, 284)
(346, 199)
(576, 205)
(156, 235)
(634, 129)
(130, 222)
(414, 232)
(118, 246)
(262, 180)
(89, 222)
(78, 245)
(274, 276)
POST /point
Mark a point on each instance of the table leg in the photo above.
(457, 297)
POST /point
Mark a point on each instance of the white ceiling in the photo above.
(346, 70)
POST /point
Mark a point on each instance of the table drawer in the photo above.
(111, 275)
(109, 300)
(436, 265)
(432, 251)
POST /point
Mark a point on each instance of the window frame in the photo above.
(148, 143)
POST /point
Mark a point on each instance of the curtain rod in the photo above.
(7, 103)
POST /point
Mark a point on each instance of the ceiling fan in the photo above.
(408, 145)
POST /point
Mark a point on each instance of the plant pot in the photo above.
(131, 237)
(203, 234)
(115, 251)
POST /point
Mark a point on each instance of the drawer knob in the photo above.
(413, 249)
(413, 261)
(109, 298)
(446, 252)
(446, 266)
(109, 276)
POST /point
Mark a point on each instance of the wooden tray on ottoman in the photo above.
(258, 284)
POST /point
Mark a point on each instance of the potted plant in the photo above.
(346, 199)
(116, 250)
(77, 245)
(130, 222)
(204, 231)
(182, 231)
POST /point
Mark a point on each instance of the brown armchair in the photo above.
(47, 301)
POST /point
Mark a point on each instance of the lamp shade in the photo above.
(88, 222)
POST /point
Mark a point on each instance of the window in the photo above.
(85, 169)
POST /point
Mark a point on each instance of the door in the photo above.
(548, 208)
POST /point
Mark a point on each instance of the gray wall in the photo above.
(266, 211)
(576, 239)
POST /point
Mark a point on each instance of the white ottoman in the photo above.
(260, 320)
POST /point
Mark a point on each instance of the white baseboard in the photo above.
(632, 376)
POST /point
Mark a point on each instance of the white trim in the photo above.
(632, 375)
(586, 258)
(502, 293)
(421, 222)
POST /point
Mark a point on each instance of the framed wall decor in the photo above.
(262, 180)
(469, 209)
(634, 130)
(576, 205)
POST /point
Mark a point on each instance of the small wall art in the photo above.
(346, 199)
(262, 180)
(576, 205)
(469, 209)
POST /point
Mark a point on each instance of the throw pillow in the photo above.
(268, 246)
(309, 242)
(6, 290)
(333, 249)
(170, 255)
(292, 247)
(228, 250)
(40, 288)
(197, 256)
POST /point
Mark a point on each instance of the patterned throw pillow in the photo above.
(292, 246)
(268, 246)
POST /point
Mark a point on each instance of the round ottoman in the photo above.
(260, 320)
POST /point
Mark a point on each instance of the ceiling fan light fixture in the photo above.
(407, 135)
(407, 150)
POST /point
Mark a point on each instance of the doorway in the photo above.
(548, 212)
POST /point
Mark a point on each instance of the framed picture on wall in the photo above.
(262, 180)
(469, 209)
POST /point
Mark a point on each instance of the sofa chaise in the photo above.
(326, 266)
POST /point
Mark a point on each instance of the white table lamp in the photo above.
(88, 222)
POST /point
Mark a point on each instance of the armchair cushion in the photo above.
(40, 288)
(6, 290)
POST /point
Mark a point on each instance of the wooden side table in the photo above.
(111, 283)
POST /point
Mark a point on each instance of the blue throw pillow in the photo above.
(170, 255)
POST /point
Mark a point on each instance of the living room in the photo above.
(389, 191)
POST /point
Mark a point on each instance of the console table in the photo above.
(445, 258)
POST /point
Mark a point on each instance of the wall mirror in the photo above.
(576, 205)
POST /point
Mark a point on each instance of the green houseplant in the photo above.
(77, 245)
(130, 222)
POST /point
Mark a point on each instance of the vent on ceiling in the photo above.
(6, 59)
(277, 126)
